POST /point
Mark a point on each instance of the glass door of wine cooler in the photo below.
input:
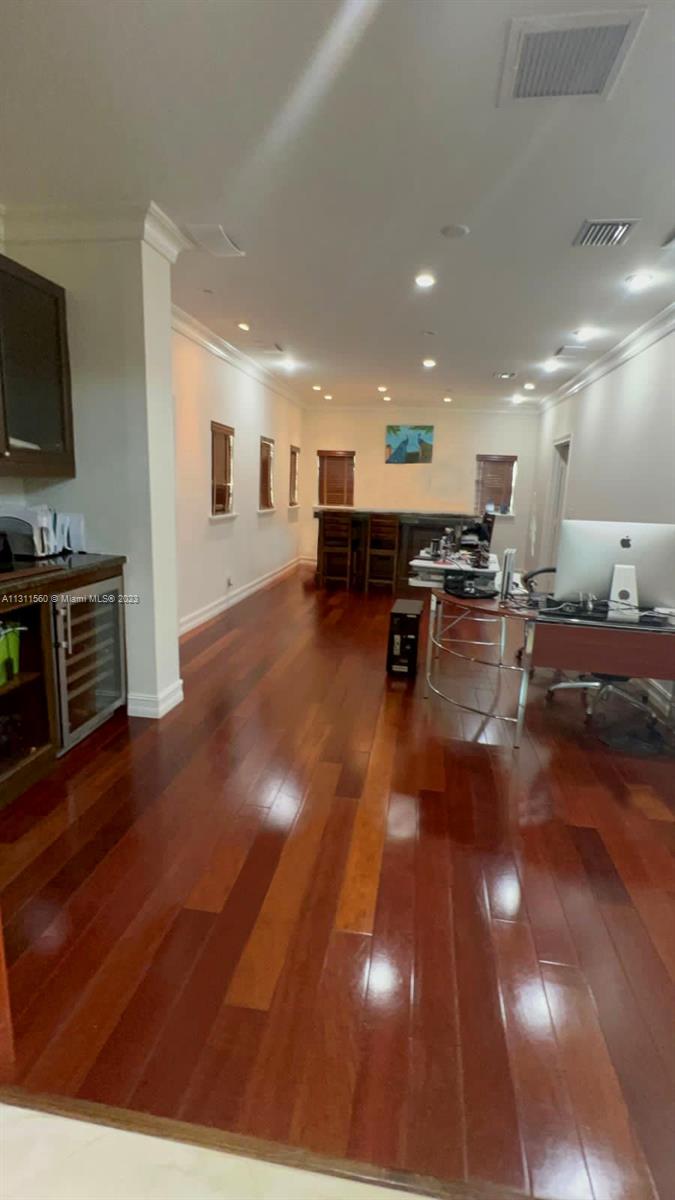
(90, 657)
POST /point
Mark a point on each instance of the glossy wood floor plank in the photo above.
(613, 1157)
(311, 907)
(358, 899)
(555, 1159)
(258, 970)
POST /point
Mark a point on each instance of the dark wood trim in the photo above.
(336, 453)
(211, 1138)
(501, 458)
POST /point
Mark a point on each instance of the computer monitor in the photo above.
(588, 551)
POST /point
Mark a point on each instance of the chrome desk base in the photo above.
(440, 641)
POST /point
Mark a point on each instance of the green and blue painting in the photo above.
(409, 443)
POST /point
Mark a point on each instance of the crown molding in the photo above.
(636, 343)
(131, 223)
(160, 232)
(187, 325)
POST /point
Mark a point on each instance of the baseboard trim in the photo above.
(155, 705)
(201, 615)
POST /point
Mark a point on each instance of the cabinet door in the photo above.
(90, 657)
(36, 430)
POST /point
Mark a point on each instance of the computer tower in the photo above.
(404, 636)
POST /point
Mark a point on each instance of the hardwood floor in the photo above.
(311, 907)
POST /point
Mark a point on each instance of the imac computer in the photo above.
(628, 564)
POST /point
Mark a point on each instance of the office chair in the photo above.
(597, 688)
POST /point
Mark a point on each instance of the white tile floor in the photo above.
(46, 1157)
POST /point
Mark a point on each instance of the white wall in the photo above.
(447, 484)
(250, 546)
(622, 457)
(119, 318)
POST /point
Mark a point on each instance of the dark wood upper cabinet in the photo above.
(36, 422)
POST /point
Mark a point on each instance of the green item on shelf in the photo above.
(10, 636)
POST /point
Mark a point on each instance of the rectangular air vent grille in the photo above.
(548, 57)
(568, 62)
(603, 233)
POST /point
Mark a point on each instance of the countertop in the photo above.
(54, 574)
(403, 513)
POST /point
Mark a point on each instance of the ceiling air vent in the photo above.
(604, 233)
(215, 241)
(580, 55)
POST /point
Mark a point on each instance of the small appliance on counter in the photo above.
(39, 531)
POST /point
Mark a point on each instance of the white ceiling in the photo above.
(333, 139)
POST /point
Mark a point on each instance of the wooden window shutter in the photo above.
(266, 499)
(294, 478)
(495, 479)
(336, 477)
(222, 457)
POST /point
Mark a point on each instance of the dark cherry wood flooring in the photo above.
(312, 907)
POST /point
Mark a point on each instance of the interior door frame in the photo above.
(564, 440)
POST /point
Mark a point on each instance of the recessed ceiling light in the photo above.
(517, 398)
(455, 231)
(504, 375)
(529, 387)
(386, 399)
(429, 363)
(382, 389)
(447, 399)
(244, 325)
(328, 397)
(316, 387)
(639, 281)
(551, 365)
(425, 279)
(586, 333)
(289, 363)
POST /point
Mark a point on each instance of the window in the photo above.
(336, 477)
(222, 453)
(266, 473)
(495, 482)
(293, 480)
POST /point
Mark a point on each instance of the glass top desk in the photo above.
(567, 644)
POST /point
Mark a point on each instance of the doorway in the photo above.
(560, 464)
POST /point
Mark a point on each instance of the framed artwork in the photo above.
(409, 443)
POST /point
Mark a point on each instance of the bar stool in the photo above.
(335, 551)
(382, 551)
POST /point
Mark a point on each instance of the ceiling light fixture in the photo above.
(517, 398)
(639, 281)
(455, 231)
(447, 399)
(328, 397)
(316, 387)
(425, 280)
(382, 389)
(244, 325)
(289, 363)
(586, 333)
(429, 363)
(551, 365)
(504, 375)
(529, 387)
(387, 399)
